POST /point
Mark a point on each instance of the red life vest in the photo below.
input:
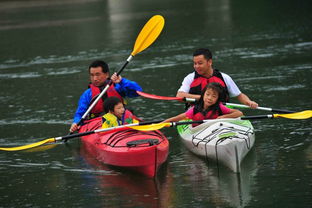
(200, 82)
(98, 108)
(129, 118)
(212, 114)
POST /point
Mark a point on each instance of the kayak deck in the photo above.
(141, 151)
(223, 140)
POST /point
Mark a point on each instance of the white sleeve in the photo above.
(186, 84)
(231, 86)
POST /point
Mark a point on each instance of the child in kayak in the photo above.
(209, 106)
(116, 114)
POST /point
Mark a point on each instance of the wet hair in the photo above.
(203, 51)
(199, 107)
(110, 103)
(99, 63)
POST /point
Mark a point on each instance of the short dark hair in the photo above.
(99, 63)
(203, 51)
(110, 103)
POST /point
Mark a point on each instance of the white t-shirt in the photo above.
(230, 84)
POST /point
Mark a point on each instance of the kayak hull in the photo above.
(141, 151)
(226, 141)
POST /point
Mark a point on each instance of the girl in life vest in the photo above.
(209, 106)
(116, 114)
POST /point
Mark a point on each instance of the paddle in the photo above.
(157, 97)
(155, 125)
(298, 115)
(70, 136)
(146, 37)
(258, 108)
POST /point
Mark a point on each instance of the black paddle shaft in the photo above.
(122, 68)
(282, 111)
(69, 136)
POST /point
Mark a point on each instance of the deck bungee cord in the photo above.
(225, 141)
(222, 134)
(117, 137)
(246, 137)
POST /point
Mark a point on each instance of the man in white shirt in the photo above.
(194, 82)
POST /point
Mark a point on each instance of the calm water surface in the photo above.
(46, 47)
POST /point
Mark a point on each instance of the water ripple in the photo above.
(55, 165)
(33, 121)
(53, 59)
(264, 52)
(22, 75)
(283, 88)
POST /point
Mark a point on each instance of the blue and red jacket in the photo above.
(95, 91)
(125, 88)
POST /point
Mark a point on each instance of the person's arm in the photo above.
(176, 118)
(187, 95)
(83, 105)
(229, 112)
(184, 89)
(244, 99)
(235, 92)
(127, 88)
(233, 113)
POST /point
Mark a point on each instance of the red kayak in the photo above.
(142, 151)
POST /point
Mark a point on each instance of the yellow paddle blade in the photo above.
(151, 127)
(42, 148)
(299, 115)
(148, 34)
(28, 146)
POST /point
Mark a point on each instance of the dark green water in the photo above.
(46, 47)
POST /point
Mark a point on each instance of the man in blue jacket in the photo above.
(99, 76)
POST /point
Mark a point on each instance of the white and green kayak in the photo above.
(225, 141)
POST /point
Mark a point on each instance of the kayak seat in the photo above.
(135, 143)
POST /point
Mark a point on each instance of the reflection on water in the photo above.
(126, 189)
(219, 186)
(308, 153)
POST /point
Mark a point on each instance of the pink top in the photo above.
(190, 113)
